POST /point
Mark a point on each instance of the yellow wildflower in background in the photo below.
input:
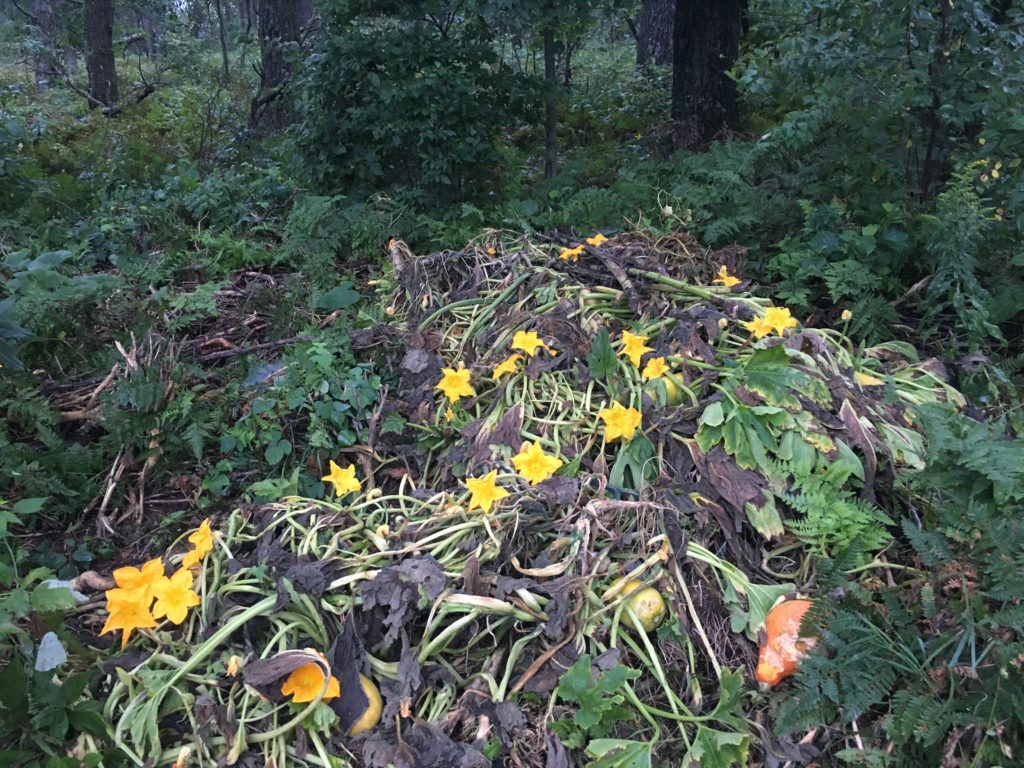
(779, 318)
(633, 347)
(619, 422)
(455, 383)
(846, 316)
(174, 596)
(485, 491)
(570, 254)
(597, 239)
(130, 579)
(533, 464)
(529, 342)
(655, 368)
(343, 480)
(724, 278)
(306, 682)
(506, 366)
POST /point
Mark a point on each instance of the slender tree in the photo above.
(98, 25)
(550, 104)
(654, 32)
(706, 43)
(279, 27)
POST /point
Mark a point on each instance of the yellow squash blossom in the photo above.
(202, 543)
(508, 365)
(655, 368)
(484, 491)
(129, 610)
(570, 254)
(759, 327)
(846, 316)
(619, 422)
(529, 342)
(724, 278)
(343, 480)
(449, 414)
(779, 319)
(234, 666)
(455, 383)
(174, 596)
(633, 347)
(305, 683)
(131, 579)
(597, 239)
(533, 464)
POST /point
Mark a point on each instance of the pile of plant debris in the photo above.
(476, 574)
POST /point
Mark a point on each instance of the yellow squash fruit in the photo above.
(673, 393)
(371, 716)
(647, 605)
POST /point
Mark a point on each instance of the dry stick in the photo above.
(632, 297)
(540, 661)
(252, 348)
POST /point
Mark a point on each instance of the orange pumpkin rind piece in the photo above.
(783, 648)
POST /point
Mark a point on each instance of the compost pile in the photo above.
(558, 416)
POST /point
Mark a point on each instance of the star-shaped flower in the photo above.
(129, 610)
(506, 366)
(779, 318)
(202, 542)
(619, 422)
(655, 368)
(344, 480)
(724, 278)
(597, 239)
(533, 464)
(759, 327)
(529, 342)
(484, 491)
(174, 596)
(455, 383)
(570, 254)
(633, 347)
(305, 683)
(130, 579)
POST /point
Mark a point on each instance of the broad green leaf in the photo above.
(713, 415)
(619, 753)
(717, 749)
(342, 297)
(765, 518)
(769, 373)
(601, 358)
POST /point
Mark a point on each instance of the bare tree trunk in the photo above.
(223, 39)
(98, 24)
(550, 105)
(706, 42)
(306, 11)
(279, 26)
(654, 32)
(44, 52)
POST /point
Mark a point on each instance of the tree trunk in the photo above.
(44, 52)
(98, 25)
(654, 32)
(223, 39)
(706, 43)
(278, 26)
(306, 12)
(550, 105)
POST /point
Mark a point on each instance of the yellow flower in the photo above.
(491, 250)
(383, 530)
(533, 464)
(234, 666)
(570, 254)
(867, 380)
(529, 342)
(449, 414)
(846, 316)
(759, 327)
(174, 596)
(779, 319)
(725, 278)
(484, 491)
(597, 239)
(508, 365)
(619, 421)
(129, 610)
(655, 368)
(131, 579)
(202, 543)
(344, 480)
(305, 683)
(455, 383)
(633, 347)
